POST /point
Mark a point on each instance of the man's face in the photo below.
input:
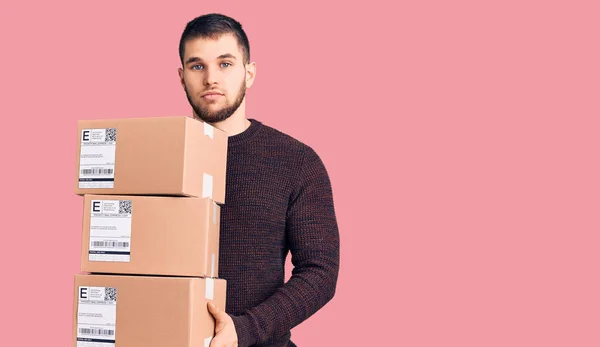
(214, 77)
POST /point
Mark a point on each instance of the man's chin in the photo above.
(212, 118)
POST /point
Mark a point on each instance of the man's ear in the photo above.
(181, 79)
(250, 74)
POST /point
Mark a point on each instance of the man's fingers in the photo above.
(217, 342)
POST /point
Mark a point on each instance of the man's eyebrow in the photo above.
(222, 56)
(227, 55)
(192, 60)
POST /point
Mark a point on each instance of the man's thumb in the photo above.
(214, 310)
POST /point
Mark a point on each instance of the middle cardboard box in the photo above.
(150, 235)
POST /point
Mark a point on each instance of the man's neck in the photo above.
(233, 125)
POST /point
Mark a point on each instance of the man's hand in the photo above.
(225, 335)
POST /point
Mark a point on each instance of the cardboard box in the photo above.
(150, 235)
(177, 156)
(140, 311)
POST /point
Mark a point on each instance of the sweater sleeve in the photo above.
(313, 238)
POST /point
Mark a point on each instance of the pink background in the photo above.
(461, 139)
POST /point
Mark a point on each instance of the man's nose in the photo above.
(210, 76)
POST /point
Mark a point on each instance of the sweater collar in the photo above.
(247, 134)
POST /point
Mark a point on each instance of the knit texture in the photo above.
(278, 200)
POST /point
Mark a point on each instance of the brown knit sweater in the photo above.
(278, 199)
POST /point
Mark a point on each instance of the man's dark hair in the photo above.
(212, 26)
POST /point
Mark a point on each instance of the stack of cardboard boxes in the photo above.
(150, 243)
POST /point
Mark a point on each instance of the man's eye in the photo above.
(228, 64)
(197, 67)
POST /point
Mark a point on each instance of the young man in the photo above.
(278, 198)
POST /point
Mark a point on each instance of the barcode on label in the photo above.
(97, 171)
(111, 134)
(93, 331)
(111, 244)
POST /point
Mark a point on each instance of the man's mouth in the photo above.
(212, 96)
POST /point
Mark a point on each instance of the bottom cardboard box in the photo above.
(148, 311)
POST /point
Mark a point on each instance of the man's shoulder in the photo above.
(284, 140)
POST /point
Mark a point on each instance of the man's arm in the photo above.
(313, 238)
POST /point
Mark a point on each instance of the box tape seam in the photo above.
(209, 131)
(207, 185)
(214, 213)
(210, 288)
(212, 265)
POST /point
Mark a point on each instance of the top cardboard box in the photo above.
(172, 156)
